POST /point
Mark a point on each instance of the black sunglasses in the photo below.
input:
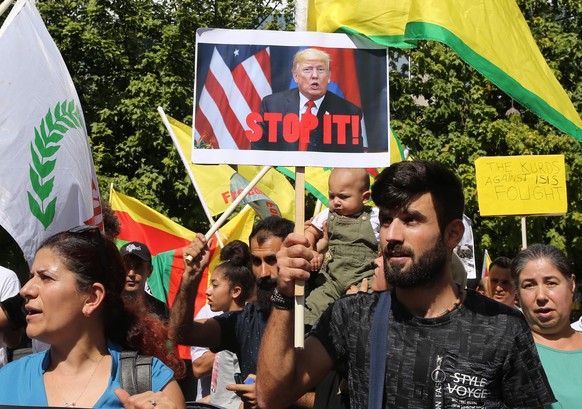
(90, 231)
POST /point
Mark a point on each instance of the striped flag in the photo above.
(165, 239)
(141, 223)
(486, 264)
(236, 81)
(491, 36)
(214, 180)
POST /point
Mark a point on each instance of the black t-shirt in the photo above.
(482, 353)
(241, 333)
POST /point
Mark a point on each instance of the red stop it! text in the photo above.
(335, 127)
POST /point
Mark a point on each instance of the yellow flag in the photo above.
(396, 149)
(276, 187)
(491, 36)
(214, 180)
(237, 228)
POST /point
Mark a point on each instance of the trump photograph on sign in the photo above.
(290, 99)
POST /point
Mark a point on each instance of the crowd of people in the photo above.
(389, 325)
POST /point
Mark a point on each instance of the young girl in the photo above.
(231, 285)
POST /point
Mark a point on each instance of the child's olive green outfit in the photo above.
(350, 258)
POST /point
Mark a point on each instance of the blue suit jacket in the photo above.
(286, 102)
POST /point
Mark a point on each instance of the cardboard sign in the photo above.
(521, 185)
(252, 103)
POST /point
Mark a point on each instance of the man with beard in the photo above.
(237, 331)
(426, 342)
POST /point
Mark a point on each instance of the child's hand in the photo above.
(316, 261)
(363, 288)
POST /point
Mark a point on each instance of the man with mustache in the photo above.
(237, 331)
(281, 111)
(503, 288)
(426, 342)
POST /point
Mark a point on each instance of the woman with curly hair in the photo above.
(74, 303)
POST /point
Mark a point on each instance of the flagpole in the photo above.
(318, 206)
(4, 6)
(236, 202)
(186, 163)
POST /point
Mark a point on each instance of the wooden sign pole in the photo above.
(299, 285)
(523, 233)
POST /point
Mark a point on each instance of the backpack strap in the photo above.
(379, 350)
(135, 372)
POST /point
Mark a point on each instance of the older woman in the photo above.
(545, 290)
(73, 300)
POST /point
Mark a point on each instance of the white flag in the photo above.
(47, 178)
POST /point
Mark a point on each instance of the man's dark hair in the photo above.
(404, 182)
(271, 226)
(501, 262)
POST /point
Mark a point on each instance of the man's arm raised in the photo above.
(284, 374)
(182, 329)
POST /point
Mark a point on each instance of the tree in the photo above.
(127, 57)
(468, 117)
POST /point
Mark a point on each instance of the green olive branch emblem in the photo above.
(43, 150)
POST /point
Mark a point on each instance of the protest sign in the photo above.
(521, 185)
(250, 104)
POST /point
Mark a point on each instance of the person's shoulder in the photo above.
(157, 307)
(6, 273)
(25, 364)
(349, 313)
(577, 325)
(248, 311)
(335, 99)
(492, 311)
(359, 300)
(281, 94)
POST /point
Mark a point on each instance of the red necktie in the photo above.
(303, 142)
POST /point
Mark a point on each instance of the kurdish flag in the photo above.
(491, 36)
(165, 239)
(169, 265)
(143, 224)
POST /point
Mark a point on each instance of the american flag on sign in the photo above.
(236, 80)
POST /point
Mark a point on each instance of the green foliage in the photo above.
(127, 57)
(465, 118)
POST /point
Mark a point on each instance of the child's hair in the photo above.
(360, 174)
(236, 267)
